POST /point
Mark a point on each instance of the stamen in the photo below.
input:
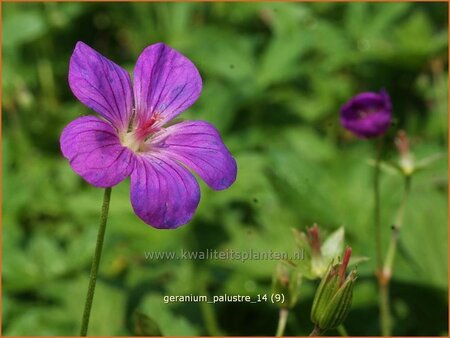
(139, 131)
(148, 127)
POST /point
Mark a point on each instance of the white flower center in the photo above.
(132, 142)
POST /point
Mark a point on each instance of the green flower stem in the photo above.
(210, 319)
(207, 309)
(377, 209)
(284, 313)
(389, 261)
(387, 270)
(385, 312)
(342, 330)
(385, 316)
(95, 263)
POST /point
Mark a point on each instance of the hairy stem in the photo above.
(383, 292)
(387, 270)
(385, 311)
(207, 309)
(376, 201)
(392, 249)
(95, 263)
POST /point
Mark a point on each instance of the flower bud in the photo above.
(367, 115)
(334, 295)
(287, 281)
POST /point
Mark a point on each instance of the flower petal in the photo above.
(101, 85)
(95, 153)
(198, 145)
(164, 194)
(165, 84)
(372, 126)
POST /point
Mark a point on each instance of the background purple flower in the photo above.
(131, 139)
(367, 115)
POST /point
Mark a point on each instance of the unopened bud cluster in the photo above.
(286, 281)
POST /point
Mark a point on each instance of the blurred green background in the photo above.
(275, 76)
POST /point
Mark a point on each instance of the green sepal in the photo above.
(333, 298)
(324, 292)
(336, 311)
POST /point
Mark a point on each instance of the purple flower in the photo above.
(131, 137)
(368, 114)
